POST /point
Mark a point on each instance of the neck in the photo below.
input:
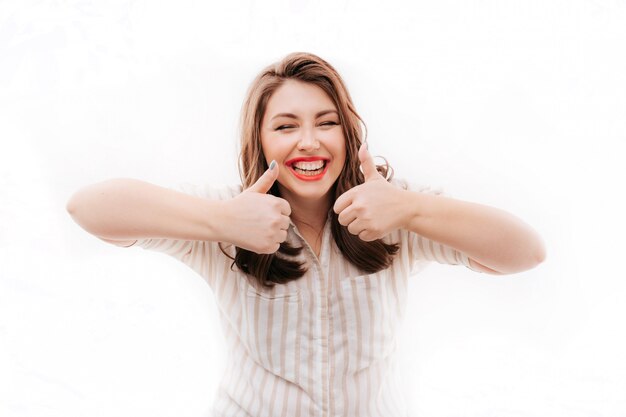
(309, 214)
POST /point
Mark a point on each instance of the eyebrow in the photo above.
(293, 116)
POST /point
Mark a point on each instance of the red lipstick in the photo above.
(303, 177)
(306, 159)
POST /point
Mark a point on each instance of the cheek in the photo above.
(341, 152)
(337, 145)
(270, 151)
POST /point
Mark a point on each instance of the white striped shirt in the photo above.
(322, 345)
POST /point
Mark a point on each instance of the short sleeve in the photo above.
(204, 257)
(419, 248)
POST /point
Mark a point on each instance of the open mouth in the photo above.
(308, 170)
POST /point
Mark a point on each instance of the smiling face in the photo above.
(301, 130)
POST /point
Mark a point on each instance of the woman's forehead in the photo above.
(299, 99)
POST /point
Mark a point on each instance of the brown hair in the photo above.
(281, 267)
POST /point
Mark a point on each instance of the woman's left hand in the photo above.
(375, 208)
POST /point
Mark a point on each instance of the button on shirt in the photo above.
(322, 345)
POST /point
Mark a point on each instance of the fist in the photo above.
(373, 209)
(258, 221)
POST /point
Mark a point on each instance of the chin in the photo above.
(312, 194)
(307, 191)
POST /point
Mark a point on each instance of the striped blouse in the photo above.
(322, 345)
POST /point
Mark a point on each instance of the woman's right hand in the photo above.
(257, 221)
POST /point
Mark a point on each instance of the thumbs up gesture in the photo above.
(255, 220)
(373, 209)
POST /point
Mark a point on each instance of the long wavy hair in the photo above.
(282, 266)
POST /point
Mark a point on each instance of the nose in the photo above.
(307, 141)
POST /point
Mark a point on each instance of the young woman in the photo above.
(309, 258)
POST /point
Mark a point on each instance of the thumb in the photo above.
(368, 167)
(265, 181)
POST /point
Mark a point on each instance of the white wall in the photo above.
(518, 105)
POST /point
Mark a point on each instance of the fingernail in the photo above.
(272, 165)
(366, 145)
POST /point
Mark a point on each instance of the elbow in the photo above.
(540, 251)
(537, 257)
(526, 263)
(535, 254)
(85, 195)
(70, 206)
(541, 257)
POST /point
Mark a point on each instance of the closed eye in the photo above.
(283, 127)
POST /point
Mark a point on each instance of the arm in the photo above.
(123, 210)
(496, 241)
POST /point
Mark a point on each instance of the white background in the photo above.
(517, 105)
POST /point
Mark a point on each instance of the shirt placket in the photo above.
(321, 284)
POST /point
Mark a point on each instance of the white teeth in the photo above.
(309, 166)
